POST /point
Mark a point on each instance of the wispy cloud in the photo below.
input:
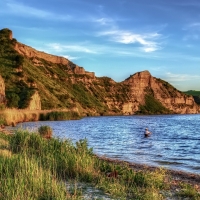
(22, 9)
(104, 21)
(180, 77)
(147, 41)
(70, 57)
(193, 31)
(70, 48)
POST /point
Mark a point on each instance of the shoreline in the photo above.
(175, 176)
(191, 177)
(174, 183)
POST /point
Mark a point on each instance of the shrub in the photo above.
(45, 131)
(58, 116)
(12, 99)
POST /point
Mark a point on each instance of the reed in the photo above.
(40, 168)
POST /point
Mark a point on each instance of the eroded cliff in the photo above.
(61, 84)
(36, 57)
(142, 84)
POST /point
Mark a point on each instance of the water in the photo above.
(174, 143)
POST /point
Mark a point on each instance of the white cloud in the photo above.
(70, 57)
(147, 41)
(21, 9)
(181, 77)
(70, 48)
(104, 21)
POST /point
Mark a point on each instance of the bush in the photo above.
(58, 116)
(12, 99)
(45, 131)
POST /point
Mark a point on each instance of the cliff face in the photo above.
(62, 84)
(142, 83)
(36, 56)
(32, 53)
(139, 84)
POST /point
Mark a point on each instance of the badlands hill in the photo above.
(31, 79)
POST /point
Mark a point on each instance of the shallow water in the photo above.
(174, 143)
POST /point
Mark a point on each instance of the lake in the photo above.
(174, 142)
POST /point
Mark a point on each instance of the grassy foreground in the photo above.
(32, 167)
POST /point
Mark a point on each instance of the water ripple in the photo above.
(174, 143)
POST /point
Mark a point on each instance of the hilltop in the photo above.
(36, 80)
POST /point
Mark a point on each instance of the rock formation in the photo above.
(64, 85)
(143, 83)
(35, 54)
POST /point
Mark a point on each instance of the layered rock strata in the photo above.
(142, 83)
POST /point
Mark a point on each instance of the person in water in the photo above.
(147, 133)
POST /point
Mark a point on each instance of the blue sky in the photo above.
(114, 38)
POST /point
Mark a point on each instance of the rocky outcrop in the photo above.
(143, 83)
(35, 54)
(81, 70)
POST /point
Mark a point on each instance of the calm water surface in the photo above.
(174, 143)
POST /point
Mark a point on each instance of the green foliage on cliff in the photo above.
(195, 94)
(56, 86)
(152, 106)
(18, 93)
(192, 92)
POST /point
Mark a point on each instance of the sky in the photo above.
(114, 38)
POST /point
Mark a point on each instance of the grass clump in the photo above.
(187, 191)
(45, 131)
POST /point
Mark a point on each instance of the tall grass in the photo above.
(66, 161)
(39, 168)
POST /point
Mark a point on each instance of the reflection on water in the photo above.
(174, 143)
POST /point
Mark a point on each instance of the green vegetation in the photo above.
(58, 116)
(32, 167)
(195, 94)
(192, 92)
(187, 191)
(45, 131)
(152, 106)
(2, 120)
(18, 93)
